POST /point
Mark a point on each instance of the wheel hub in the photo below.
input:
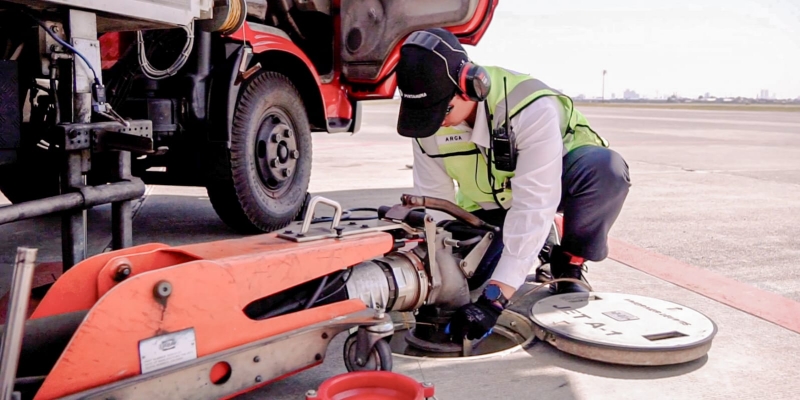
(276, 151)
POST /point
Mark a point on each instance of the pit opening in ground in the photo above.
(513, 332)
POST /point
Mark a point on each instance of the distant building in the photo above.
(630, 95)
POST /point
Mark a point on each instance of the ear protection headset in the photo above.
(472, 80)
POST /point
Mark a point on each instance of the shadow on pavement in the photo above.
(515, 376)
(549, 355)
(546, 354)
(170, 219)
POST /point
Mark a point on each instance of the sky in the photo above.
(686, 47)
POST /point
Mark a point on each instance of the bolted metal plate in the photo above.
(319, 231)
(252, 365)
(622, 328)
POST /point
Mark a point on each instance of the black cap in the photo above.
(427, 76)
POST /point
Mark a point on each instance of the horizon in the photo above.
(734, 48)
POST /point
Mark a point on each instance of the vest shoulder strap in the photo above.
(453, 154)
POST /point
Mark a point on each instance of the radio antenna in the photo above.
(505, 97)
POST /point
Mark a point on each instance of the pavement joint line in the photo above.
(760, 303)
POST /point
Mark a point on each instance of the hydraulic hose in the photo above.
(65, 45)
(317, 292)
(448, 207)
(468, 242)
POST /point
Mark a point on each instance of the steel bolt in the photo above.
(311, 393)
(287, 133)
(163, 289)
(294, 154)
(55, 28)
(287, 172)
(427, 384)
(258, 378)
(123, 271)
(273, 163)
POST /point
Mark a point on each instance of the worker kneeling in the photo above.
(520, 152)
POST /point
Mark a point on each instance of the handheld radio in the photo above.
(504, 143)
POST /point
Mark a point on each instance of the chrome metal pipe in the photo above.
(312, 206)
(17, 314)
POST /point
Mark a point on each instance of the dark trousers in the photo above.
(595, 183)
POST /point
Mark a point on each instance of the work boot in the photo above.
(561, 267)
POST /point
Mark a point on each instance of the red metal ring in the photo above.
(363, 385)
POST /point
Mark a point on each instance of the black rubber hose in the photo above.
(415, 219)
(317, 292)
(339, 289)
(462, 230)
(469, 242)
(382, 210)
(65, 44)
(280, 310)
(346, 216)
(448, 207)
(43, 341)
(295, 304)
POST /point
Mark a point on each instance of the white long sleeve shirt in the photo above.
(536, 185)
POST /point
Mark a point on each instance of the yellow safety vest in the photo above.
(466, 164)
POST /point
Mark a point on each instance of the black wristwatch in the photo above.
(493, 293)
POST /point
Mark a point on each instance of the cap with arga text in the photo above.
(427, 80)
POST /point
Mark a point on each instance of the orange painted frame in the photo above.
(208, 295)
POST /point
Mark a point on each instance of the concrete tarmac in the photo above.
(717, 190)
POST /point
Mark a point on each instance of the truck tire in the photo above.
(260, 183)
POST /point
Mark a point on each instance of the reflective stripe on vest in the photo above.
(517, 96)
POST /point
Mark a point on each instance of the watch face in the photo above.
(492, 292)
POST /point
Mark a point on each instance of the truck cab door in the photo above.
(372, 30)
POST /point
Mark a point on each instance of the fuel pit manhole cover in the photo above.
(621, 328)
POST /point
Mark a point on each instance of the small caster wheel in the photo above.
(379, 359)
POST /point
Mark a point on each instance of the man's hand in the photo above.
(474, 320)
